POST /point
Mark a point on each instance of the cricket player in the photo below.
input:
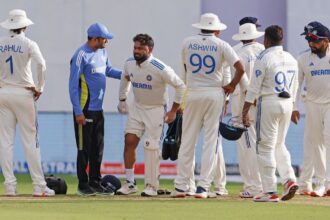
(246, 150)
(274, 83)
(314, 69)
(203, 58)
(89, 67)
(18, 96)
(149, 77)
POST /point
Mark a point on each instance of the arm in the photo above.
(239, 71)
(170, 77)
(124, 88)
(112, 72)
(41, 69)
(257, 78)
(76, 67)
(295, 116)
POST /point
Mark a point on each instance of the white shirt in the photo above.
(149, 81)
(203, 59)
(248, 55)
(275, 71)
(16, 52)
(316, 73)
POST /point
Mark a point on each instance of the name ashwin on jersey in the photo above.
(13, 48)
(211, 48)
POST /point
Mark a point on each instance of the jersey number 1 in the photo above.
(10, 60)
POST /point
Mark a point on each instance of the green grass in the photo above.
(135, 207)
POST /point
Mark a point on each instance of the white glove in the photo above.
(122, 107)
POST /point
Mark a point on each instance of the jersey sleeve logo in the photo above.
(157, 64)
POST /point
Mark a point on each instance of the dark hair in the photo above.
(207, 31)
(144, 39)
(19, 30)
(274, 34)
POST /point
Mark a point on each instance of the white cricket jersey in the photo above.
(204, 57)
(16, 52)
(149, 82)
(248, 55)
(275, 71)
(316, 73)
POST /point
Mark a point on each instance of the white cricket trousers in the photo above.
(202, 110)
(220, 177)
(316, 145)
(273, 120)
(246, 148)
(17, 106)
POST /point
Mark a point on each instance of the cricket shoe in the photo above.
(327, 193)
(247, 194)
(290, 189)
(319, 191)
(42, 191)
(178, 193)
(149, 191)
(201, 193)
(101, 190)
(127, 188)
(11, 190)
(266, 197)
(190, 192)
(220, 191)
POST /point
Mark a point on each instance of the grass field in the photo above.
(135, 207)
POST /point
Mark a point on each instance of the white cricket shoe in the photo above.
(11, 190)
(290, 189)
(178, 193)
(190, 192)
(221, 191)
(201, 193)
(149, 191)
(248, 194)
(266, 197)
(319, 191)
(127, 188)
(42, 191)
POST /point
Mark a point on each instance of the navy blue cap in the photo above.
(99, 30)
(315, 31)
(251, 20)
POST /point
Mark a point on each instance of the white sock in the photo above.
(130, 175)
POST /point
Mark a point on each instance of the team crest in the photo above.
(149, 78)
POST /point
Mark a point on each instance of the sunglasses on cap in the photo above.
(313, 37)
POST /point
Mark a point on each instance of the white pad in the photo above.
(151, 162)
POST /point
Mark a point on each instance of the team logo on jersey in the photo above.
(311, 64)
(258, 73)
(149, 78)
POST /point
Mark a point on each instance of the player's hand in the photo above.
(228, 89)
(122, 107)
(36, 93)
(80, 119)
(170, 117)
(295, 116)
(246, 120)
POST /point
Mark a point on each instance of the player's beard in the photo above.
(140, 58)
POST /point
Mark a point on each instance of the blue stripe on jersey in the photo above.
(258, 121)
(157, 64)
(262, 54)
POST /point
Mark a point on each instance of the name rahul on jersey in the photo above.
(13, 48)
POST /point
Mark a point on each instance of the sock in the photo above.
(130, 175)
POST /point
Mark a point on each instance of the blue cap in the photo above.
(99, 30)
(315, 31)
(251, 20)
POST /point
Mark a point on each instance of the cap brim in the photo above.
(12, 26)
(108, 36)
(220, 27)
(239, 37)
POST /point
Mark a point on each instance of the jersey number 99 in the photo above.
(199, 62)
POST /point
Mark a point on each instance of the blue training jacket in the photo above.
(87, 82)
